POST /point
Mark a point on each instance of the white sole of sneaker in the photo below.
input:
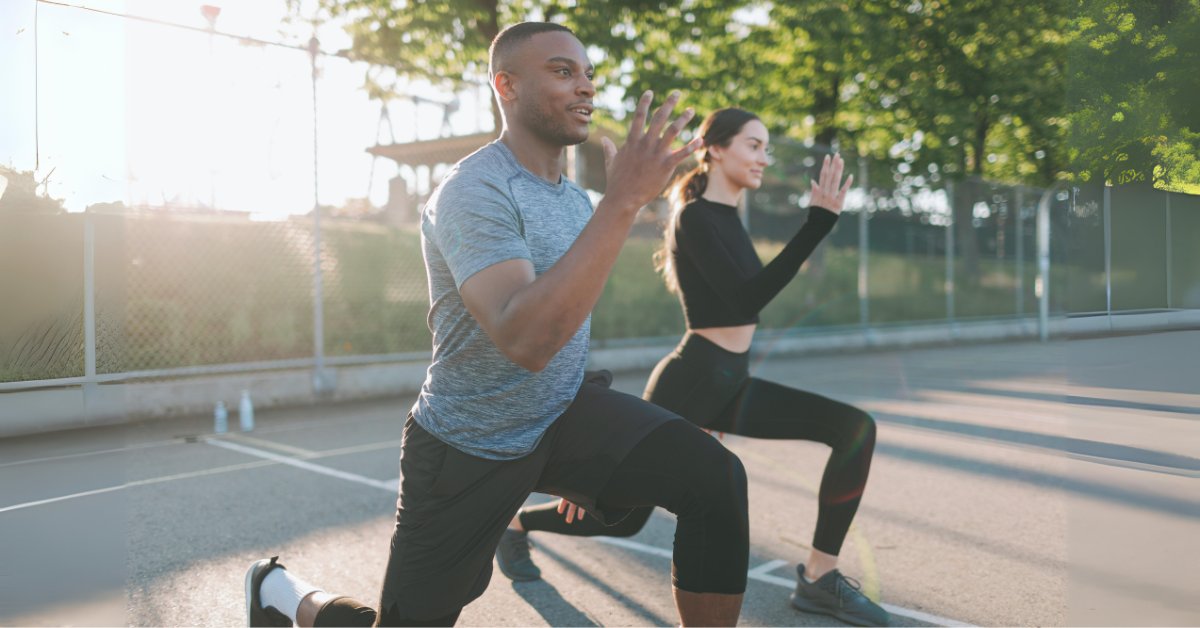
(250, 584)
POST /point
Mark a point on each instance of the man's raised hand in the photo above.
(642, 167)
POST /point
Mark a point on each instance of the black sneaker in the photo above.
(837, 596)
(512, 555)
(256, 615)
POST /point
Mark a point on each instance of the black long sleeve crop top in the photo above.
(722, 282)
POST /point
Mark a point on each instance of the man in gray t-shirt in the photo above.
(517, 259)
(489, 209)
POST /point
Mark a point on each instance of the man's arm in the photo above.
(531, 318)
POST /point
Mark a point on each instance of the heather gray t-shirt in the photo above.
(487, 210)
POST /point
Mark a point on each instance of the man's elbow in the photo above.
(527, 357)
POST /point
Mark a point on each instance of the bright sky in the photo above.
(142, 113)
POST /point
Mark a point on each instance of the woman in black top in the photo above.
(710, 262)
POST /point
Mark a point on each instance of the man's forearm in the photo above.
(542, 317)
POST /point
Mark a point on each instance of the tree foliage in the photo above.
(1135, 84)
(998, 89)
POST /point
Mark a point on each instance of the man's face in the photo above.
(554, 88)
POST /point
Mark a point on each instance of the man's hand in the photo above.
(825, 192)
(642, 167)
(573, 512)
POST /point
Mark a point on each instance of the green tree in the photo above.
(1134, 85)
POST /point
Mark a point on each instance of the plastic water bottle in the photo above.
(220, 418)
(246, 412)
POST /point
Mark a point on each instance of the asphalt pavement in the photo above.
(1013, 484)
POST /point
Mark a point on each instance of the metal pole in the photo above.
(89, 296)
(319, 383)
(1020, 251)
(1168, 247)
(864, 249)
(1042, 287)
(949, 285)
(1108, 254)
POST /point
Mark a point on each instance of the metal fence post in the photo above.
(1020, 232)
(1042, 288)
(1168, 249)
(864, 250)
(949, 285)
(320, 384)
(1108, 254)
(89, 312)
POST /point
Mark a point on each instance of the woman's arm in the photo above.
(748, 293)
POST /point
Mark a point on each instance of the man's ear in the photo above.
(505, 85)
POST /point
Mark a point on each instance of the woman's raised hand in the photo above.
(825, 190)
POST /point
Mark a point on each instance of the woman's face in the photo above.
(742, 162)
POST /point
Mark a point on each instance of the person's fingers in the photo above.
(823, 176)
(845, 188)
(675, 127)
(662, 114)
(839, 167)
(562, 504)
(683, 153)
(637, 128)
(610, 151)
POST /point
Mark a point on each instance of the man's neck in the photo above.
(542, 159)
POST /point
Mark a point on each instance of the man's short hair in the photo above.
(509, 39)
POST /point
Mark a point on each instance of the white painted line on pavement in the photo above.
(766, 568)
(759, 573)
(634, 545)
(96, 452)
(250, 440)
(300, 464)
(158, 480)
(42, 502)
(919, 616)
(392, 485)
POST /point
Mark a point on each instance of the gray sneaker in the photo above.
(837, 596)
(512, 555)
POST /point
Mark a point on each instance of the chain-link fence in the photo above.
(157, 294)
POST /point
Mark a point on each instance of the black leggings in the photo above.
(712, 388)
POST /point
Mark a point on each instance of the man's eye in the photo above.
(564, 72)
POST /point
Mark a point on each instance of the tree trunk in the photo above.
(966, 194)
(489, 28)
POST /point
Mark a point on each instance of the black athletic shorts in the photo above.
(453, 507)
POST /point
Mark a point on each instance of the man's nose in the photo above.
(586, 87)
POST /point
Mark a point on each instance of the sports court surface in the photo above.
(1013, 484)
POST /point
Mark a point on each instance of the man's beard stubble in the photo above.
(551, 129)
